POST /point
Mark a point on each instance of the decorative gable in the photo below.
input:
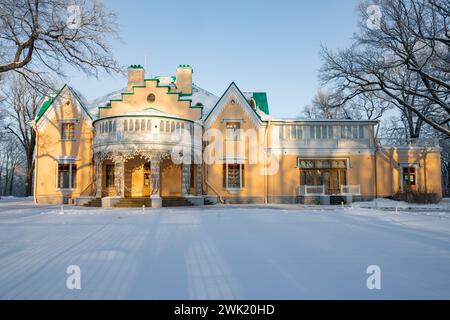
(233, 95)
(51, 106)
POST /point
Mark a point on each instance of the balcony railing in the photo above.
(144, 137)
(351, 190)
(311, 191)
(403, 142)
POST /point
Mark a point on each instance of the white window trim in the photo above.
(239, 138)
(70, 162)
(240, 163)
(409, 165)
(62, 123)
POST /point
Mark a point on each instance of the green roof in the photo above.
(44, 107)
(47, 103)
(135, 66)
(261, 101)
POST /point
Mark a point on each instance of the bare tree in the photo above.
(405, 59)
(11, 158)
(367, 106)
(20, 108)
(49, 35)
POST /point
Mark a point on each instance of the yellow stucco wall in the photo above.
(50, 148)
(389, 170)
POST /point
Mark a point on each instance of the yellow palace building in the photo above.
(166, 142)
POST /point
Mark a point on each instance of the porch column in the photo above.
(119, 172)
(155, 166)
(199, 180)
(98, 178)
(186, 179)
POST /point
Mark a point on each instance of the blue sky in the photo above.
(267, 46)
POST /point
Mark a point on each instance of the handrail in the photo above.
(303, 190)
(212, 188)
(351, 190)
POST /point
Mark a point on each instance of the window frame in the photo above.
(226, 180)
(62, 129)
(72, 173)
(233, 133)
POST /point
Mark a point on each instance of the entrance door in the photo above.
(338, 178)
(140, 180)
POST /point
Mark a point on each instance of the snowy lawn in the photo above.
(223, 252)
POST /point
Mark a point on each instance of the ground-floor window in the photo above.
(109, 176)
(409, 176)
(329, 173)
(233, 176)
(67, 176)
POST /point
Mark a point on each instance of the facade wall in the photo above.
(51, 151)
(390, 163)
(379, 173)
(137, 101)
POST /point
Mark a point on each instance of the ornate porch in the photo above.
(144, 174)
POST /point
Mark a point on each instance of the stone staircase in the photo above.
(134, 203)
(147, 202)
(336, 200)
(176, 202)
(97, 203)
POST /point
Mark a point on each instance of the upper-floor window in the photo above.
(320, 132)
(68, 131)
(352, 132)
(233, 131)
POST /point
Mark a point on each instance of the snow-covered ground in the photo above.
(223, 252)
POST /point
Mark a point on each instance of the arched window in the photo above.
(253, 103)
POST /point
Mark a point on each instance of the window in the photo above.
(409, 176)
(161, 126)
(233, 131)
(67, 176)
(151, 98)
(320, 132)
(109, 173)
(125, 125)
(233, 176)
(68, 131)
(331, 174)
(352, 132)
